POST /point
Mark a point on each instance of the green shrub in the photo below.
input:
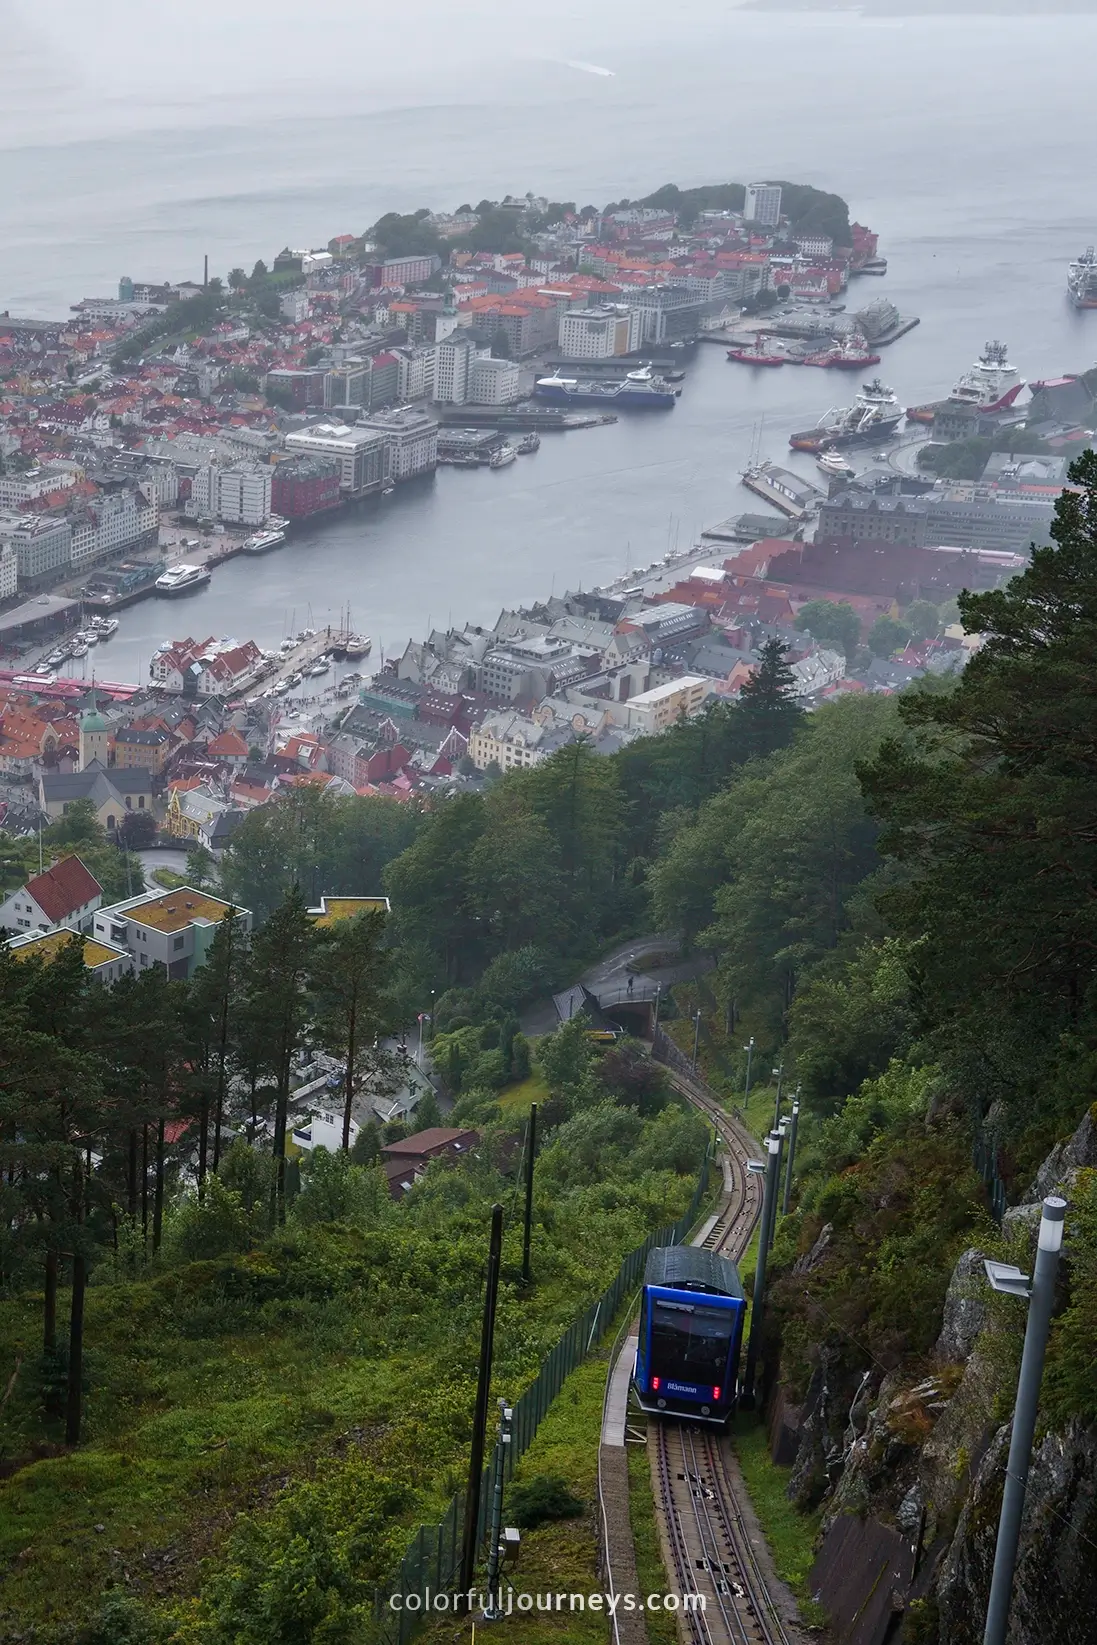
(541, 1499)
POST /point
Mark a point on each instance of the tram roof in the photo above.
(692, 1268)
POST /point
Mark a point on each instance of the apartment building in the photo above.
(361, 452)
(173, 929)
(411, 441)
(493, 382)
(599, 333)
(42, 544)
(451, 379)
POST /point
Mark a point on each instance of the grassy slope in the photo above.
(560, 1557)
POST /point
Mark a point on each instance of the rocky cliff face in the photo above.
(925, 1456)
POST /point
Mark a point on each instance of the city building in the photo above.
(986, 519)
(668, 313)
(346, 384)
(762, 204)
(142, 750)
(401, 271)
(42, 544)
(9, 569)
(653, 711)
(94, 743)
(112, 793)
(411, 442)
(302, 485)
(105, 960)
(294, 306)
(451, 376)
(19, 489)
(361, 453)
(493, 382)
(509, 740)
(125, 517)
(599, 333)
(297, 390)
(415, 372)
(244, 494)
(64, 897)
(174, 929)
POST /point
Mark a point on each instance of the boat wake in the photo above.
(590, 68)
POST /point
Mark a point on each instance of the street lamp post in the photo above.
(655, 1022)
(749, 1049)
(696, 1036)
(1041, 1296)
(792, 1129)
(779, 1071)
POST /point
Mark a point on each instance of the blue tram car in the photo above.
(691, 1332)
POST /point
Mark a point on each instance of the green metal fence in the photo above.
(433, 1560)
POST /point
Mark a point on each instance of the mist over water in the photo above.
(140, 143)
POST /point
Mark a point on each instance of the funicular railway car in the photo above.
(691, 1331)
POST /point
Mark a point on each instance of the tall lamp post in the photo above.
(779, 1074)
(696, 1035)
(1041, 1296)
(749, 1049)
(793, 1125)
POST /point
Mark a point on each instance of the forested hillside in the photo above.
(231, 1384)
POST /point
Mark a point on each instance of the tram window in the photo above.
(691, 1340)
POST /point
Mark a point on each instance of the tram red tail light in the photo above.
(655, 1384)
(716, 1393)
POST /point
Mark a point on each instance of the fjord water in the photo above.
(965, 142)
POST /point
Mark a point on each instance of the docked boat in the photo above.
(264, 541)
(851, 354)
(294, 681)
(358, 645)
(90, 636)
(182, 579)
(834, 466)
(1082, 280)
(503, 457)
(106, 627)
(321, 666)
(388, 487)
(528, 443)
(79, 649)
(874, 415)
(991, 384)
(640, 390)
(758, 355)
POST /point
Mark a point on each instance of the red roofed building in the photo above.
(228, 749)
(64, 898)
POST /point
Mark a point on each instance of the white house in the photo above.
(64, 898)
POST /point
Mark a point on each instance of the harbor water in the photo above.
(961, 141)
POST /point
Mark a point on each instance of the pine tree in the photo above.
(768, 712)
(348, 975)
(275, 1006)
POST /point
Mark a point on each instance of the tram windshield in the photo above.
(691, 1341)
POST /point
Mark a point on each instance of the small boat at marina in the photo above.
(358, 645)
(834, 465)
(528, 443)
(321, 666)
(503, 457)
(106, 627)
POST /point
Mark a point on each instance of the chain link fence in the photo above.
(434, 1557)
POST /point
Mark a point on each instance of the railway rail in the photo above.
(705, 1536)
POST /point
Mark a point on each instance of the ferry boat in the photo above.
(529, 443)
(263, 541)
(834, 466)
(182, 579)
(991, 384)
(874, 415)
(503, 457)
(1082, 280)
(640, 390)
